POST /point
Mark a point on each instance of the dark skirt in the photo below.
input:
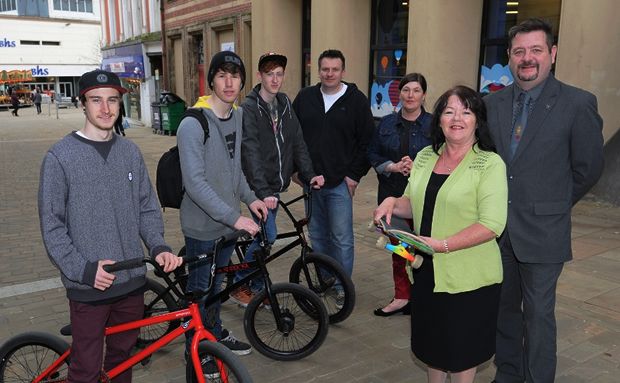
(452, 332)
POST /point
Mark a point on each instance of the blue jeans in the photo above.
(331, 224)
(271, 231)
(199, 278)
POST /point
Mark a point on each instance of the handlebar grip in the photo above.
(124, 265)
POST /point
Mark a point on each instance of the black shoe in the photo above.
(235, 345)
(405, 310)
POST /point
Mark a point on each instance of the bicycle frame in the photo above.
(193, 323)
(259, 265)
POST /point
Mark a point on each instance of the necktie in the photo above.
(520, 121)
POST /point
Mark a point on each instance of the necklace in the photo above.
(445, 165)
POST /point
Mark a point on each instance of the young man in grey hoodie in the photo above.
(215, 184)
(96, 206)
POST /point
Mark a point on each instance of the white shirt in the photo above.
(330, 99)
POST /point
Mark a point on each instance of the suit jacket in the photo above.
(559, 158)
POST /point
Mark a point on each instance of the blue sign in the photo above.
(4, 43)
(38, 71)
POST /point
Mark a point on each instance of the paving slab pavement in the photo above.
(363, 348)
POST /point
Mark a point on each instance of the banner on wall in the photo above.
(126, 61)
(15, 76)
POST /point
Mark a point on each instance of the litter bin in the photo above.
(172, 108)
(156, 118)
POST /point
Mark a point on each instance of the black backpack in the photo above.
(169, 181)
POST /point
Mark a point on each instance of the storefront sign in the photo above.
(4, 43)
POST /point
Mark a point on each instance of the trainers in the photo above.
(209, 368)
(337, 292)
(242, 296)
(234, 344)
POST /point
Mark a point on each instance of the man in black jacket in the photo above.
(337, 126)
(272, 148)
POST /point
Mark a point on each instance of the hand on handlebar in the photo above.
(103, 279)
(259, 209)
(317, 182)
(168, 261)
(247, 224)
(271, 202)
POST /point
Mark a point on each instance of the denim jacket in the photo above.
(385, 148)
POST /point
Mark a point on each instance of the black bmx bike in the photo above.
(313, 272)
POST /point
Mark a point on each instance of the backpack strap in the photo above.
(197, 114)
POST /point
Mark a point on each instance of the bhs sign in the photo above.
(4, 43)
(37, 71)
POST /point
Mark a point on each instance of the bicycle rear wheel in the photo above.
(219, 365)
(326, 278)
(24, 357)
(303, 318)
(156, 302)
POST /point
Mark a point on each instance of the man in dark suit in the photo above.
(550, 136)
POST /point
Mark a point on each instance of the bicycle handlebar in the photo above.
(124, 265)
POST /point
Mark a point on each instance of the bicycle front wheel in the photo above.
(326, 278)
(24, 358)
(218, 365)
(156, 302)
(302, 319)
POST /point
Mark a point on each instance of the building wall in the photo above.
(444, 44)
(213, 21)
(268, 36)
(589, 54)
(588, 57)
(343, 25)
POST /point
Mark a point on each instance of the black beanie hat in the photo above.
(99, 79)
(219, 59)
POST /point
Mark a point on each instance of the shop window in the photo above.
(84, 6)
(498, 17)
(388, 54)
(7, 5)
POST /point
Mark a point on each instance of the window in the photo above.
(84, 6)
(306, 57)
(29, 42)
(50, 42)
(388, 54)
(7, 5)
(498, 17)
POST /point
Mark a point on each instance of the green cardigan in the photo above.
(475, 192)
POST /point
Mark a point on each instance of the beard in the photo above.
(530, 77)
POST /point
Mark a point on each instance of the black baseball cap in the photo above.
(272, 56)
(219, 60)
(99, 79)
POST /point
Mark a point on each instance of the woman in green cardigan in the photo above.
(457, 197)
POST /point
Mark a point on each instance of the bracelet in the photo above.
(445, 246)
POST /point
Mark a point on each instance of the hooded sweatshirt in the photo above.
(271, 153)
(212, 177)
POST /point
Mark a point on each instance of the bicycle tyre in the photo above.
(156, 301)
(25, 356)
(304, 331)
(236, 371)
(322, 287)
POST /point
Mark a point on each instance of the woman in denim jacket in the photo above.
(395, 143)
